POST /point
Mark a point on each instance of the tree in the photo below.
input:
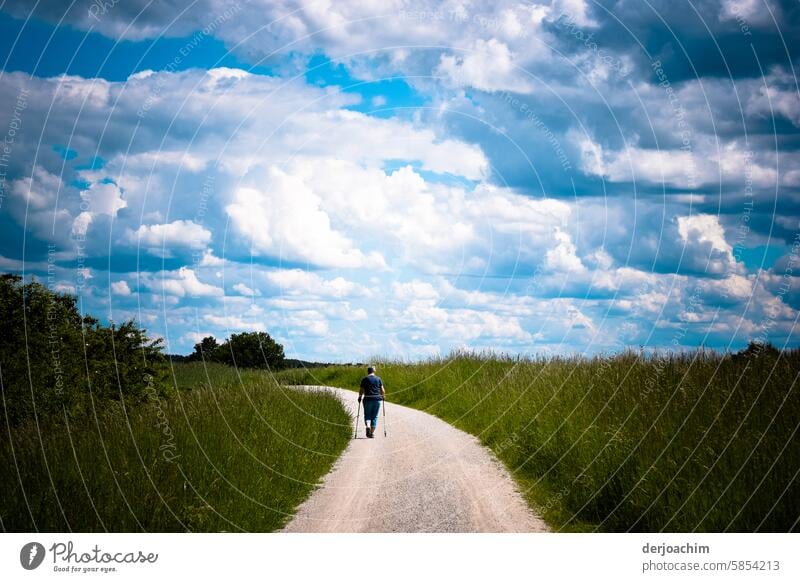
(52, 359)
(252, 350)
(206, 350)
(757, 349)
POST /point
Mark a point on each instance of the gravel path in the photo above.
(425, 477)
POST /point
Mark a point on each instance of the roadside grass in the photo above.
(232, 451)
(674, 442)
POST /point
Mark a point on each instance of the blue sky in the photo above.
(407, 178)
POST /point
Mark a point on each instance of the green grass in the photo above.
(692, 442)
(233, 451)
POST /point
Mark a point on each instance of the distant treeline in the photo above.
(288, 363)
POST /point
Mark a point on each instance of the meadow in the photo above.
(696, 441)
(231, 450)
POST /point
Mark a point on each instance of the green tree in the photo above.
(206, 350)
(252, 350)
(52, 359)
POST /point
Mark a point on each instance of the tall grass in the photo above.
(675, 442)
(233, 451)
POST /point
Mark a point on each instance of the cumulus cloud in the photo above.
(488, 66)
(233, 323)
(34, 204)
(703, 163)
(399, 212)
(243, 289)
(165, 238)
(750, 12)
(704, 230)
(562, 257)
(180, 283)
(299, 282)
(120, 288)
(349, 31)
(775, 95)
(361, 138)
(99, 200)
(423, 320)
(284, 219)
(235, 116)
(306, 322)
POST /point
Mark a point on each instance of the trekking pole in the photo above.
(384, 417)
(358, 411)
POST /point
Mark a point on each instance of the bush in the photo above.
(52, 359)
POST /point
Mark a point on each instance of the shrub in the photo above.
(52, 359)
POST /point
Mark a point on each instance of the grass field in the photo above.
(233, 451)
(691, 442)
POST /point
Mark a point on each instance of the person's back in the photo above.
(371, 386)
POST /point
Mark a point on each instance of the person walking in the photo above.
(372, 392)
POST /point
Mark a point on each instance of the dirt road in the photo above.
(425, 477)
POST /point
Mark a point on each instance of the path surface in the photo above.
(425, 477)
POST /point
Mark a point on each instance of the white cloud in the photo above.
(422, 319)
(285, 219)
(775, 94)
(489, 66)
(180, 234)
(398, 213)
(209, 260)
(304, 322)
(575, 10)
(591, 153)
(356, 137)
(193, 337)
(234, 322)
(578, 319)
(750, 12)
(102, 198)
(299, 282)
(415, 291)
(562, 257)
(33, 202)
(354, 32)
(707, 162)
(243, 289)
(704, 228)
(180, 283)
(705, 231)
(120, 288)
(187, 161)
(733, 289)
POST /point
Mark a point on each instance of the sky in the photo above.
(407, 178)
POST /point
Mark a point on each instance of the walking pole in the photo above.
(358, 411)
(384, 417)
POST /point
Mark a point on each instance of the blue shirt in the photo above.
(371, 386)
